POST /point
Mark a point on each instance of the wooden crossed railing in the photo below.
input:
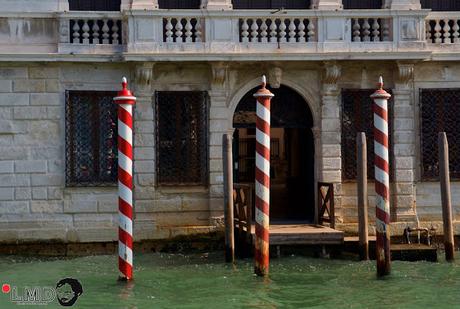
(242, 203)
(326, 203)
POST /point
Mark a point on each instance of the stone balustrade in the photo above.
(443, 27)
(245, 33)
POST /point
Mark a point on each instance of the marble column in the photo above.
(404, 136)
(139, 4)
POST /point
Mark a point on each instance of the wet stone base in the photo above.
(180, 244)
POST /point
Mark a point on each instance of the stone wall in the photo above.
(36, 205)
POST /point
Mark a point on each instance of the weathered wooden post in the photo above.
(362, 195)
(262, 181)
(445, 195)
(125, 101)
(228, 198)
(382, 179)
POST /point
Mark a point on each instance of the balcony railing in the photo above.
(243, 33)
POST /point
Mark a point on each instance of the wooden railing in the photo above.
(326, 204)
(242, 203)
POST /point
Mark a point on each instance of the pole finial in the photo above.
(381, 83)
(124, 82)
(264, 81)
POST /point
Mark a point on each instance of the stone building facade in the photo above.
(49, 53)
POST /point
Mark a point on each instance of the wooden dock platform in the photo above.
(303, 234)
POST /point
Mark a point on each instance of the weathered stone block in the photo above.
(332, 176)
(215, 165)
(14, 99)
(6, 86)
(80, 206)
(46, 206)
(218, 125)
(144, 153)
(332, 163)
(47, 180)
(16, 207)
(55, 193)
(331, 151)
(330, 111)
(43, 72)
(13, 127)
(404, 201)
(404, 188)
(95, 220)
(6, 167)
(331, 138)
(52, 85)
(404, 162)
(11, 73)
(143, 140)
(6, 194)
(215, 152)
(32, 166)
(144, 126)
(144, 193)
(144, 166)
(46, 153)
(16, 180)
(53, 112)
(6, 113)
(404, 137)
(39, 193)
(404, 150)
(219, 113)
(45, 99)
(29, 85)
(22, 194)
(404, 175)
(403, 124)
(146, 180)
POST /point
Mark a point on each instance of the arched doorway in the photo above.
(292, 195)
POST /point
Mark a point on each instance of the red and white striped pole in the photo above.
(382, 179)
(125, 101)
(262, 183)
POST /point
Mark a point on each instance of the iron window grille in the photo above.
(270, 4)
(182, 137)
(439, 109)
(358, 116)
(94, 5)
(91, 138)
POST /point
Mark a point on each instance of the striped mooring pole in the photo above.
(382, 179)
(262, 181)
(125, 101)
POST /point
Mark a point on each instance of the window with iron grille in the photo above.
(358, 116)
(362, 4)
(271, 4)
(441, 5)
(94, 5)
(182, 140)
(439, 110)
(91, 138)
(179, 4)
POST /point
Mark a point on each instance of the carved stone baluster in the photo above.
(437, 32)
(244, 32)
(188, 30)
(254, 31)
(76, 32)
(375, 30)
(385, 29)
(85, 33)
(366, 32)
(446, 32)
(356, 31)
(273, 31)
(292, 29)
(301, 28)
(169, 27)
(428, 31)
(198, 32)
(263, 31)
(105, 32)
(95, 30)
(311, 30)
(282, 30)
(455, 34)
(115, 35)
(179, 33)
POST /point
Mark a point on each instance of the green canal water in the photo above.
(195, 281)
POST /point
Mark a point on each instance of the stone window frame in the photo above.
(109, 158)
(202, 162)
(95, 5)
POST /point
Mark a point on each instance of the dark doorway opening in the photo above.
(292, 195)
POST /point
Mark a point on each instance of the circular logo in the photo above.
(68, 290)
(6, 288)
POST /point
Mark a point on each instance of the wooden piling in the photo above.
(445, 195)
(362, 195)
(228, 198)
